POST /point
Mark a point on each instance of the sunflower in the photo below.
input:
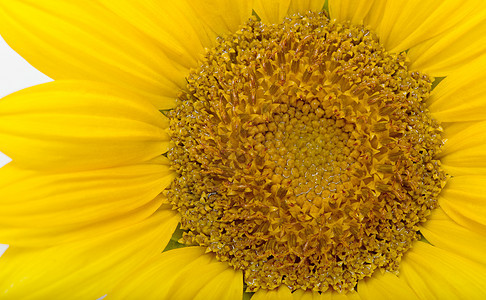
(235, 149)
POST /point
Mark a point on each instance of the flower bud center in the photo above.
(305, 154)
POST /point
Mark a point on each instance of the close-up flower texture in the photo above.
(198, 149)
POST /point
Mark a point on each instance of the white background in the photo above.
(15, 74)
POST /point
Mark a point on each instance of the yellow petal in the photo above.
(434, 273)
(221, 16)
(87, 269)
(183, 28)
(84, 40)
(350, 10)
(166, 23)
(405, 24)
(454, 47)
(461, 96)
(43, 208)
(327, 295)
(46, 237)
(443, 232)
(274, 11)
(337, 296)
(282, 293)
(385, 286)
(302, 6)
(184, 273)
(463, 200)
(72, 125)
(453, 128)
(465, 151)
(271, 11)
(374, 16)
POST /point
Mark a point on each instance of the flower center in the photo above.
(304, 154)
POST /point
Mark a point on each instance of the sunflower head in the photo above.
(266, 149)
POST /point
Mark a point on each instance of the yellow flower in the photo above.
(82, 204)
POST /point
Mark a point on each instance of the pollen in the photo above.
(304, 154)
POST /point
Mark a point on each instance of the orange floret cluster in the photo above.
(304, 154)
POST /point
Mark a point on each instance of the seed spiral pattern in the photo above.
(304, 154)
